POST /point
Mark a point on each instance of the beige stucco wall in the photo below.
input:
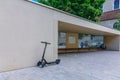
(23, 25)
(112, 42)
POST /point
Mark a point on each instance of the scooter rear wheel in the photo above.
(39, 63)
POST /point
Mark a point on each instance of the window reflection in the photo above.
(61, 40)
(116, 4)
(88, 41)
(84, 40)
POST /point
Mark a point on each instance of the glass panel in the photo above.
(115, 25)
(61, 40)
(96, 41)
(90, 41)
(84, 40)
(116, 4)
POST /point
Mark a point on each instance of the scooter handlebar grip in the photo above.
(45, 42)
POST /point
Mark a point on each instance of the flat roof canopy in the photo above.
(71, 23)
(68, 27)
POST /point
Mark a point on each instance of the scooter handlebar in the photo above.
(45, 42)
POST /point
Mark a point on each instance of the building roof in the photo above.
(110, 15)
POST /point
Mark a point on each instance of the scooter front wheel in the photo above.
(57, 61)
(43, 64)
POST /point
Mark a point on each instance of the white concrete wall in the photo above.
(109, 5)
(23, 26)
(108, 23)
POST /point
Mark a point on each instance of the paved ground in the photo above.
(103, 65)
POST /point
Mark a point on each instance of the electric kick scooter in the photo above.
(43, 61)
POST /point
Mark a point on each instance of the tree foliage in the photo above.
(89, 9)
(118, 23)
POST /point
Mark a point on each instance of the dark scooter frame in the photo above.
(43, 61)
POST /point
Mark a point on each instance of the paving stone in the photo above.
(102, 65)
